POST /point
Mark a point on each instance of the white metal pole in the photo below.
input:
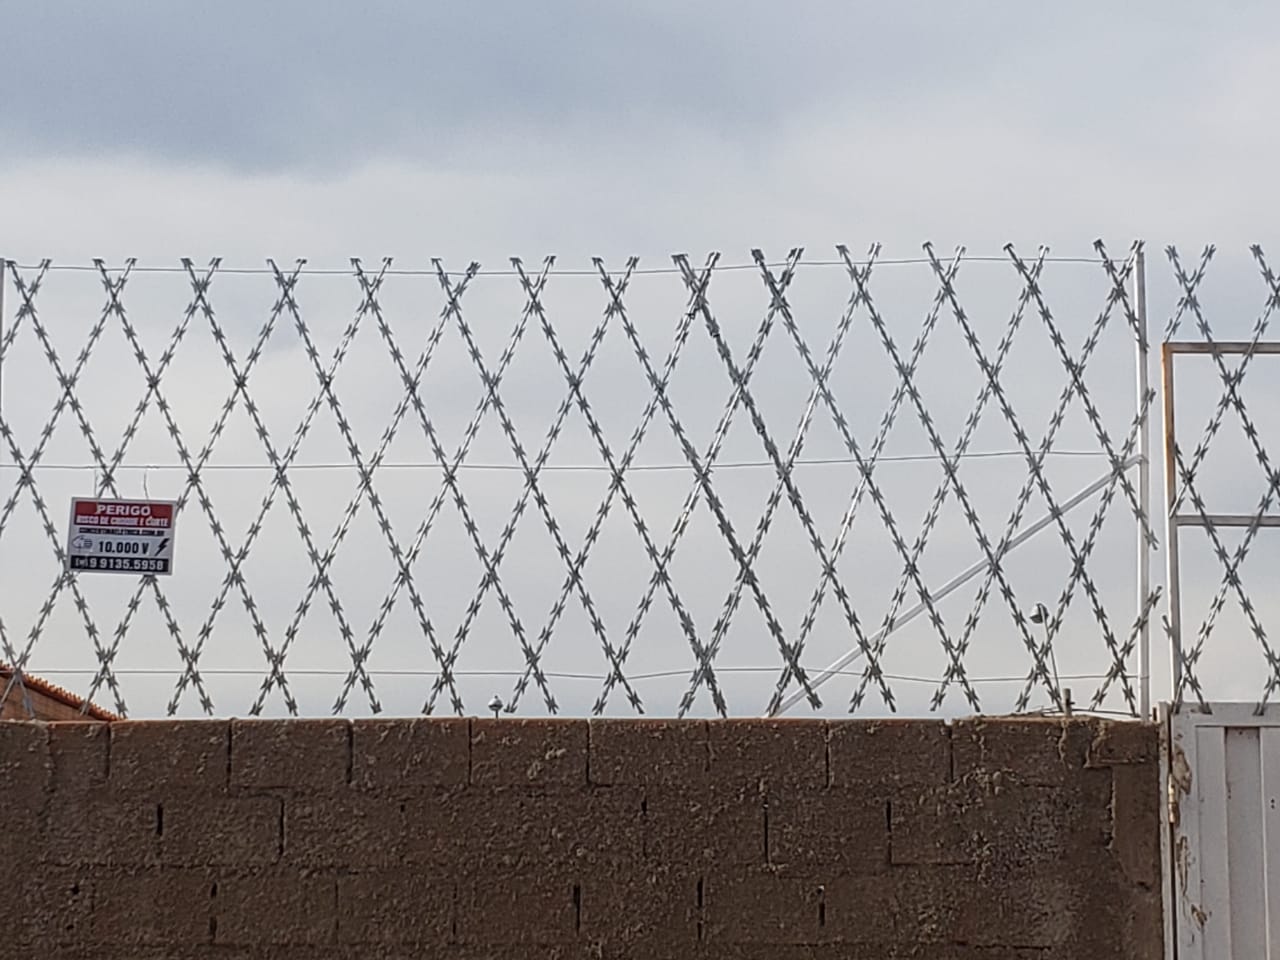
(4, 280)
(1170, 524)
(954, 584)
(1144, 488)
(15, 680)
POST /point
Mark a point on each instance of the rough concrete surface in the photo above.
(984, 839)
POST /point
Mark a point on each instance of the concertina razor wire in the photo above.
(864, 370)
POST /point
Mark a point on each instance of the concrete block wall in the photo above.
(480, 839)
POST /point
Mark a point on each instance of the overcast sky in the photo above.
(590, 128)
(411, 130)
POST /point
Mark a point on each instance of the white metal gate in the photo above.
(1222, 767)
(1224, 793)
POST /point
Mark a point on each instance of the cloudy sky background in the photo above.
(305, 130)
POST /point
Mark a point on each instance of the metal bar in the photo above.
(1222, 347)
(4, 282)
(1246, 856)
(4, 279)
(1210, 778)
(1227, 520)
(1184, 773)
(952, 585)
(1269, 763)
(16, 678)
(1144, 485)
(1170, 524)
(1169, 823)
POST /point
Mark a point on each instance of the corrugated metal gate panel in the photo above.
(1225, 810)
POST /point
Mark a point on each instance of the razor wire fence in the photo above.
(847, 484)
(1221, 485)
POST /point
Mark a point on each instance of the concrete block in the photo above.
(542, 907)
(25, 773)
(649, 751)
(861, 910)
(523, 951)
(776, 753)
(992, 823)
(440, 827)
(46, 906)
(275, 906)
(842, 828)
(26, 766)
(1136, 810)
(641, 909)
(760, 906)
(98, 829)
(1035, 751)
(160, 906)
(199, 830)
(395, 906)
(21, 823)
(297, 755)
(161, 755)
(347, 828)
(710, 826)
(1010, 905)
(511, 827)
(868, 754)
(512, 752)
(409, 753)
(1124, 742)
(80, 754)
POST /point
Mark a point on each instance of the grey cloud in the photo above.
(294, 84)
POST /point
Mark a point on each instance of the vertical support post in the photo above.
(1170, 523)
(4, 281)
(1144, 486)
(16, 679)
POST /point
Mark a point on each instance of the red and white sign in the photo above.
(121, 536)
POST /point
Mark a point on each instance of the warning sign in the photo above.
(121, 536)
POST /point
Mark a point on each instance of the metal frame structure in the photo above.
(1179, 481)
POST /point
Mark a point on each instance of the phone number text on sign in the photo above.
(121, 536)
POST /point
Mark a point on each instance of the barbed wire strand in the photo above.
(501, 674)
(567, 467)
(591, 677)
(562, 272)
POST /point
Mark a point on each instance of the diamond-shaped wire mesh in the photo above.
(1223, 490)
(685, 488)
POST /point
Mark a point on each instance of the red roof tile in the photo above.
(54, 692)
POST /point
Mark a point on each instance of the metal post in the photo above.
(1170, 524)
(1144, 488)
(4, 280)
(16, 678)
